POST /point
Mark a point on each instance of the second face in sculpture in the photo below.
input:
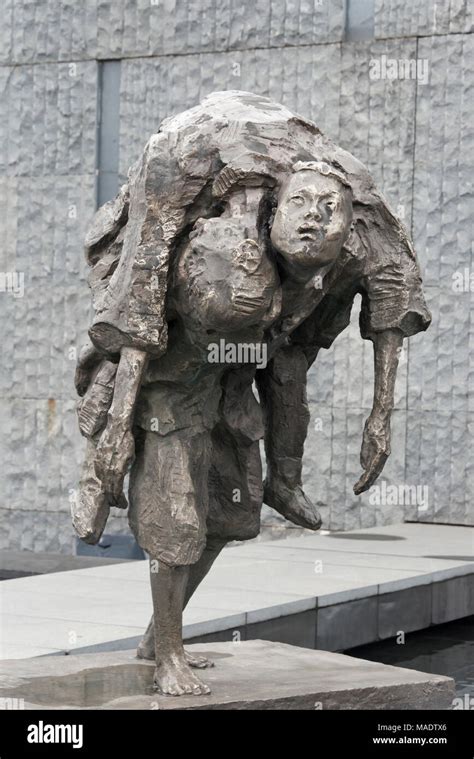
(312, 219)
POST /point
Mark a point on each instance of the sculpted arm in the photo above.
(376, 439)
(115, 448)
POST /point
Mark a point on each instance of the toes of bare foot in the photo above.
(175, 678)
(198, 662)
(202, 690)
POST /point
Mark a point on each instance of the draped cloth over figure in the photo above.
(185, 170)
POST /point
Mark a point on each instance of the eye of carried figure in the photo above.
(331, 204)
(297, 199)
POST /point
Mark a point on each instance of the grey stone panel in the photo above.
(48, 119)
(41, 454)
(6, 32)
(453, 599)
(317, 460)
(340, 390)
(343, 375)
(44, 530)
(440, 417)
(48, 30)
(306, 79)
(444, 163)
(331, 468)
(397, 18)
(157, 27)
(371, 508)
(66, 29)
(404, 611)
(441, 361)
(420, 470)
(441, 366)
(8, 223)
(222, 636)
(44, 328)
(347, 625)
(34, 530)
(394, 474)
(295, 629)
(439, 455)
(377, 119)
(41, 445)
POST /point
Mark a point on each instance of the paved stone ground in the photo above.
(329, 592)
(250, 675)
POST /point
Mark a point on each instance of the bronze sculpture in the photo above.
(241, 228)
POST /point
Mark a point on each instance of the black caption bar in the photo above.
(68, 732)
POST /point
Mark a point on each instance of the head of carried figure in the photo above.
(313, 215)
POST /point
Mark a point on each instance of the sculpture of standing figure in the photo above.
(231, 256)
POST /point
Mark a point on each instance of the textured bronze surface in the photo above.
(232, 255)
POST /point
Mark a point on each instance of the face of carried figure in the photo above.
(312, 219)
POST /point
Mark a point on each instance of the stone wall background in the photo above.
(82, 87)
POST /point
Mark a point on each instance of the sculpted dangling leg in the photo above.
(282, 390)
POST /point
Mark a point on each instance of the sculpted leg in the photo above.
(197, 572)
(235, 467)
(173, 675)
(168, 507)
(282, 391)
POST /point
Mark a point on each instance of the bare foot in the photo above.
(173, 677)
(146, 650)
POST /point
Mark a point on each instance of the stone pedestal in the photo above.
(254, 674)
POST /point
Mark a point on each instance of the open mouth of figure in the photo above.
(310, 232)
